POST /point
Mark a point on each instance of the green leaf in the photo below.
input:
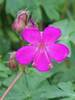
(32, 87)
(66, 26)
(18, 4)
(1, 32)
(4, 71)
(68, 90)
(69, 74)
(64, 90)
(64, 71)
(34, 75)
(13, 37)
(72, 37)
(67, 29)
(36, 14)
(28, 87)
(24, 4)
(51, 8)
(1, 1)
(3, 67)
(4, 45)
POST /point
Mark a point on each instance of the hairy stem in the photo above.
(11, 85)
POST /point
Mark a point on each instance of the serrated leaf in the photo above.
(66, 26)
(4, 71)
(30, 88)
(3, 67)
(68, 31)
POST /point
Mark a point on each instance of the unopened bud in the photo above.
(21, 21)
(12, 62)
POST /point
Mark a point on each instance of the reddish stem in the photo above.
(11, 86)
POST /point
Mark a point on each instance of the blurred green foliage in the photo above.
(59, 83)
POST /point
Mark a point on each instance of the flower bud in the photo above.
(21, 21)
(12, 62)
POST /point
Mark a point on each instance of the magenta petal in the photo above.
(25, 54)
(51, 34)
(31, 35)
(42, 62)
(58, 52)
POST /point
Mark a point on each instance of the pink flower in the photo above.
(42, 49)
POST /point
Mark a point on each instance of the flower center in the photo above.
(42, 45)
